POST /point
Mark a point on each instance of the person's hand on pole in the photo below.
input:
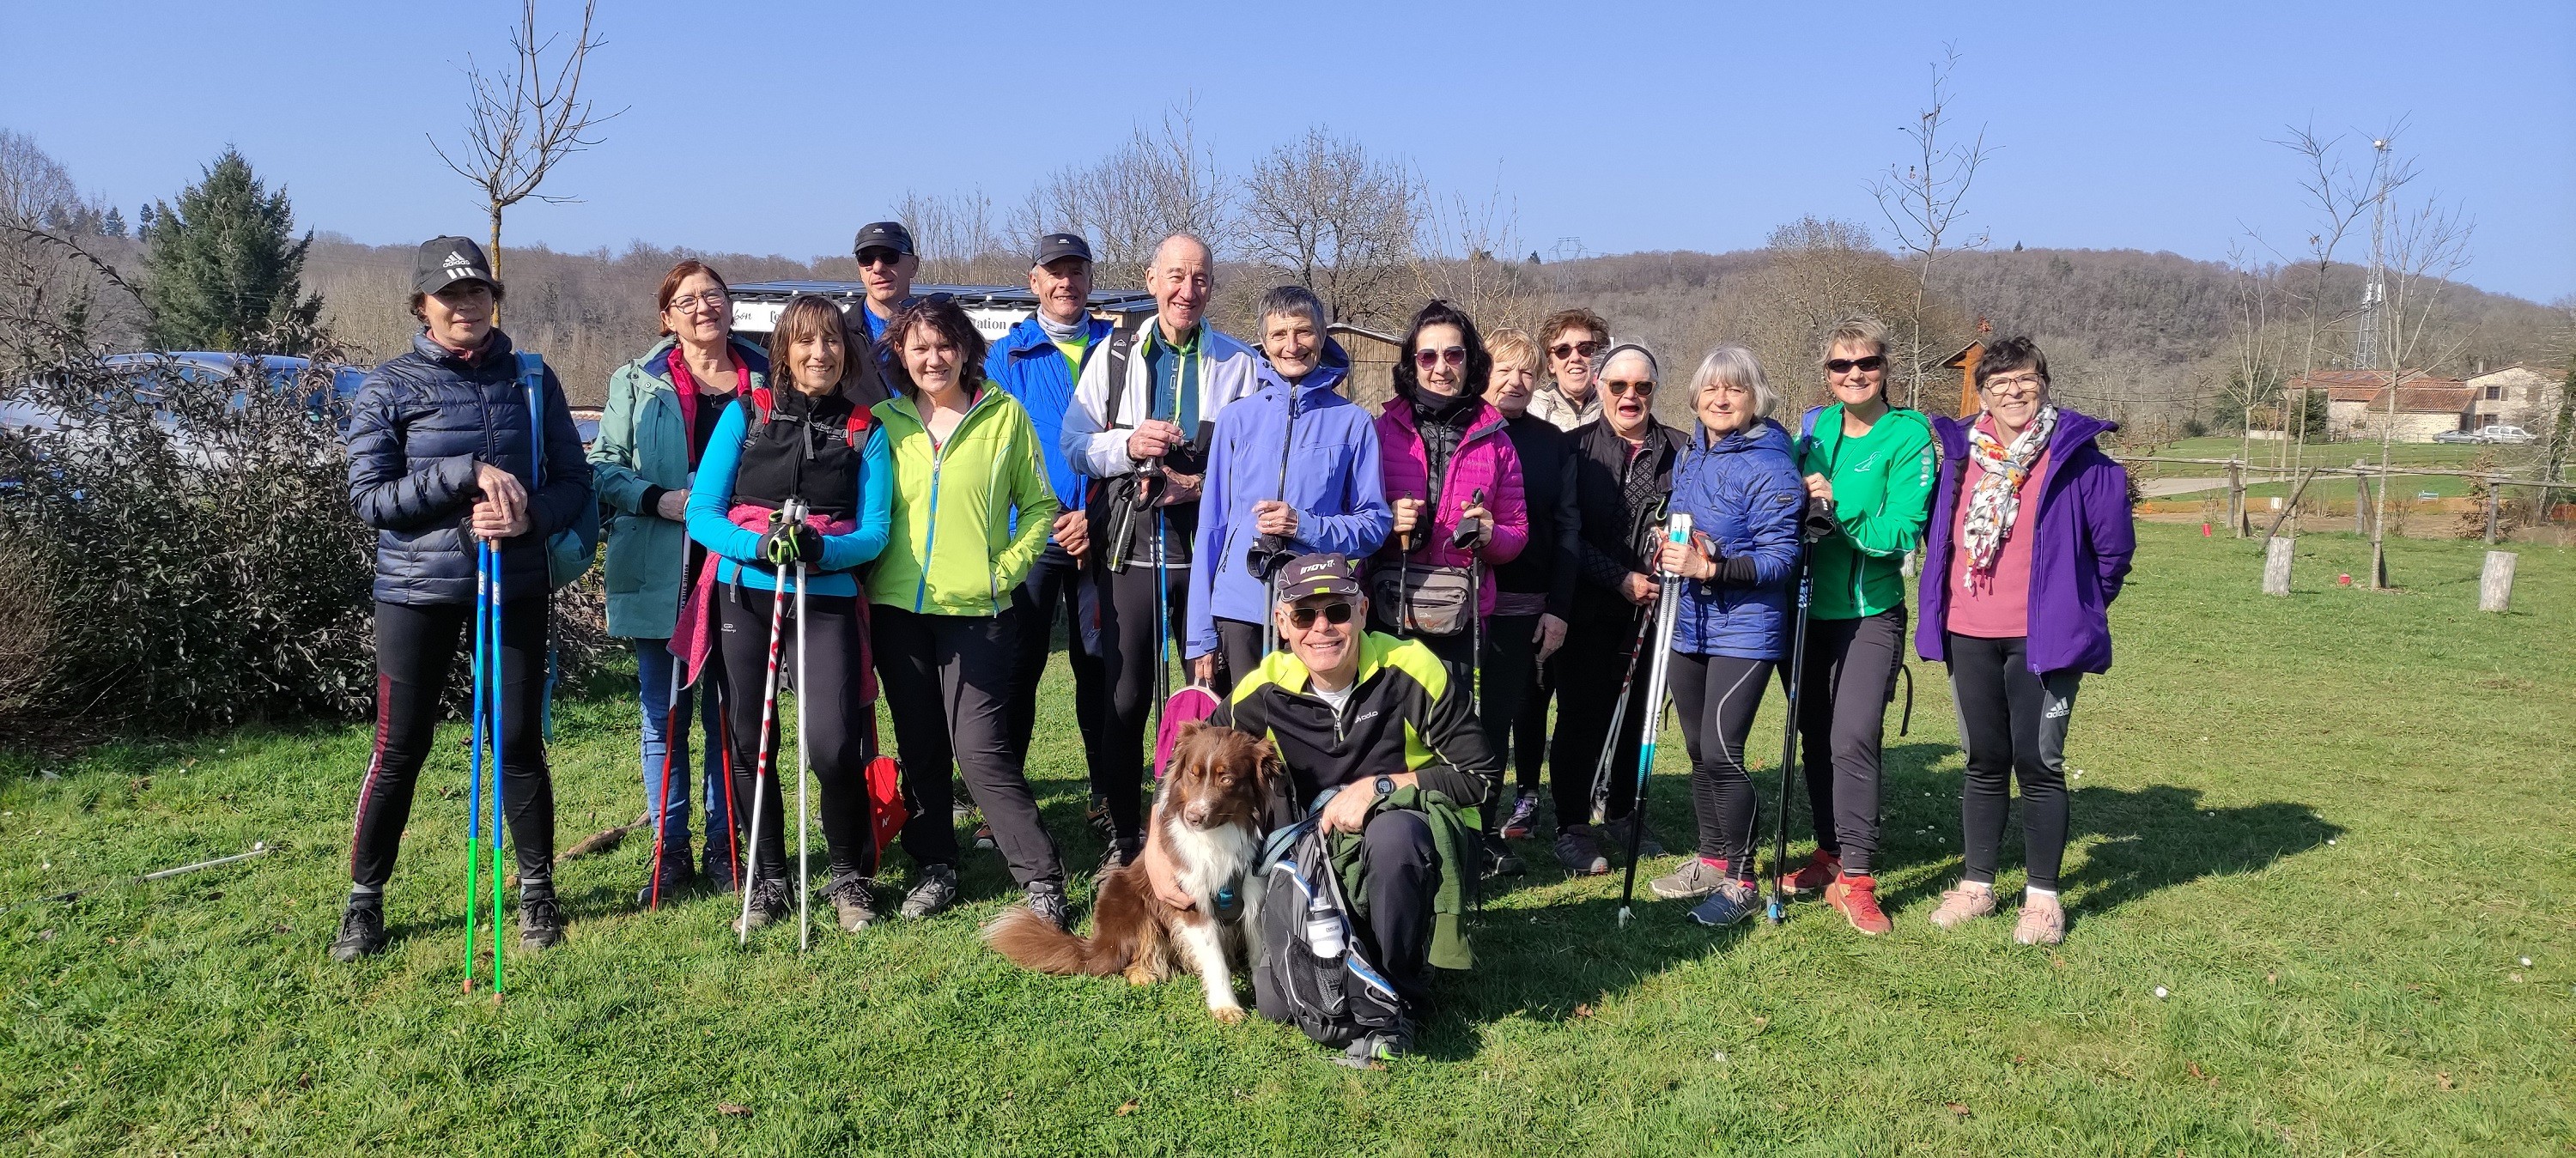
(673, 505)
(1180, 488)
(1153, 438)
(1639, 587)
(790, 543)
(1408, 512)
(501, 508)
(1073, 532)
(1273, 517)
(1203, 670)
(1820, 489)
(1549, 636)
(1482, 520)
(1689, 560)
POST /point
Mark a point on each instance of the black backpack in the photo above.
(1313, 966)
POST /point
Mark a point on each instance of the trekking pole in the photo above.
(1776, 911)
(760, 766)
(496, 691)
(670, 737)
(1162, 618)
(1618, 712)
(804, 763)
(474, 762)
(1667, 613)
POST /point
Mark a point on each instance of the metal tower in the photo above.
(2374, 294)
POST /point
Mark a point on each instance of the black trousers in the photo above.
(416, 646)
(947, 679)
(838, 727)
(1403, 873)
(1057, 580)
(2013, 725)
(1589, 669)
(1128, 661)
(1842, 718)
(1510, 679)
(1529, 726)
(1716, 697)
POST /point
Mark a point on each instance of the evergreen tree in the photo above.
(114, 226)
(227, 271)
(143, 222)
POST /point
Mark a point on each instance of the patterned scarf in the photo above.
(1997, 501)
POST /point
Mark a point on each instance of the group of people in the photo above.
(1488, 544)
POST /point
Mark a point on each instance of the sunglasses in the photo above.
(1623, 389)
(1847, 365)
(874, 256)
(1564, 350)
(1454, 355)
(1333, 613)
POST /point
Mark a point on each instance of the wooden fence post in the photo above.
(2276, 565)
(2236, 514)
(2495, 582)
(2492, 488)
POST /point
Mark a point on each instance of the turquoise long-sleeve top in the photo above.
(734, 546)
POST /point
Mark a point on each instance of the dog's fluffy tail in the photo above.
(1032, 943)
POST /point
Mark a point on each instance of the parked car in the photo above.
(2456, 436)
(2508, 435)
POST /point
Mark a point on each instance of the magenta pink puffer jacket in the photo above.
(1484, 461)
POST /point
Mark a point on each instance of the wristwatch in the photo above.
(1385, 787)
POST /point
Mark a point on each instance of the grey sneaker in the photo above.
(1616, 833)
(1579, 853)
(1046, 899)
(768, 903)
(932, 894)
(362, 931)
(1696, 878)
(852, 903)
(541, 922)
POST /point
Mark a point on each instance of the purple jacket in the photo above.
(1484, 461)
(2076, 564)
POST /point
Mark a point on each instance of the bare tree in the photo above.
(2336, 195)
(1341, 222)
(957, 238)
(53, 273)
(2254, 381)
(2425, 249)
(1462, 254)
(521, 122)
(1925, 202)
(1159, 183)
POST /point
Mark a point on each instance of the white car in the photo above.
(2509, 435)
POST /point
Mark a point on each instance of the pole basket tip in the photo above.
(1773, 913)
(1624, 914)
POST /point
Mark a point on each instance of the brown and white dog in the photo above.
(1209, 813)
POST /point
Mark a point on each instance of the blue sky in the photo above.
(769, 127)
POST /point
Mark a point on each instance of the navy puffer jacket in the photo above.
(419, 425)
(1744, 493)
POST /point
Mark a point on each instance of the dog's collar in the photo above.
(1228, 902)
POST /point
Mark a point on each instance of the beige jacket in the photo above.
(1550, 405)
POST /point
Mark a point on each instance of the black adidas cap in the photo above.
(445, 261)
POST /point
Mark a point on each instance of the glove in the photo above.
(790, 543)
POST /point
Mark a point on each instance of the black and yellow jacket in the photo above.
(1405, 714)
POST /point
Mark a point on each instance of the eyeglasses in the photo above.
(1333, 613)
(1454, 355)
(691, 303)
(1847, 365)
(2014, 386)
(1623, 389)
(1565, 350)
(874, 256)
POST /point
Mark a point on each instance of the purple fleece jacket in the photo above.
(2077, 562)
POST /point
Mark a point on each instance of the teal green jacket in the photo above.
(643, 444)
(1882, 494)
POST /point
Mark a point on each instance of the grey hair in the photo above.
(1654, 368)
(1205, 250)
(1290, 299)
(1733, 365)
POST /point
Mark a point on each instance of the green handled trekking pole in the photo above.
(1667, 615)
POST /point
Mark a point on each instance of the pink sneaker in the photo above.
(1962, 905)
(2043, 922)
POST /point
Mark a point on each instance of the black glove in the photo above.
(790, 543)
(1471, 533)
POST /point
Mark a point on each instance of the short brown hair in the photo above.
(2008, 354)
(1853, 331)
(811, 314)
(944, 317)
(680, 273)
(1577, 318)
(1510, 345)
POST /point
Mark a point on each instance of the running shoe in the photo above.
(1046, 899)
(1097, 813)
(768, 903)
(1696, 878)
(1119, 855)
(1378, 1047)
(932, 894)
(1579, 852)
(1820, 870)
(1524, 813)
(1730, 902)
(1964, 904)
(541, 922)
(853, 904)
(2043, 922)
(984, 834)
(1856, 898)
(1616, 833)
(362, 930)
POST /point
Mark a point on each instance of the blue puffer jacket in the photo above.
(1333, 481)
(420, 423)
(1744, 494)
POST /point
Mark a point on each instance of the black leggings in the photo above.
(416, 647)
(1589, 668)
(1842, 716)
(1510, 676)
(838, 726)
(1057, 579)
(946, 682)
(1716, 697)
(2013, 724)
(1127, 661)
(1529, 726)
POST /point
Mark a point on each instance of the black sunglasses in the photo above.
(875, 255)
(1847, 365)
(1333, 613)
(1565, 350)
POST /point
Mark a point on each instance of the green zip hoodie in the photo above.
(956, 547)
(1882, 493)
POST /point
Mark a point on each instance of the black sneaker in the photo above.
(1379, 1047)
(768, 903)
(852, 902)
(1046, 899)
(932, 894)
(1499, 861)
(1098, 815)
(1121, 853)
(1617, 834)
(362, 931)
(717, 870)
(674, 880)
(541, 922)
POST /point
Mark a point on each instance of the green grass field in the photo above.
(2330, 827)
(2267, 455)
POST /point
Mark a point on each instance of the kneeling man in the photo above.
(1380, 719)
